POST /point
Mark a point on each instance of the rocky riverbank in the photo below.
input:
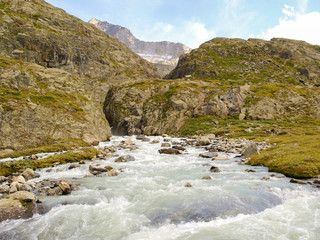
(20, 191)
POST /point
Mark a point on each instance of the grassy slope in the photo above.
(8, 168)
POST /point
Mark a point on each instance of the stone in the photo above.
(65, 186)
(317, 181)
(206, 178)
(113, 173)
(169, 151)
(82, 162)
(24, 196)
(251, 151)
(13, 188)
(19, 179)
(93, 169)
(297, 181)
(155, 141)
(15, 209)
(203, 141)
(25, 187)
(188, 185)
(179, 148)
(265, 178)
(250, 170)
(165, 145)
(3, 179)
(125, 158)
(29, 174)
(214, 169)
(34, 157)
(4, 188)
(220, 157)
(72, 166)
(208, 155)
(95, 143)
(128, 142)
(54, 191)
(88, 175)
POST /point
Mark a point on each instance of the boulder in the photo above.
(169, 151)
(113, 173)
(220, 157)
(54, 191)
(214, 169)
(19, 179)
(25, 187)
(165, 145)
(3, 179)
(72, 166)
(29, 174)
(297, 181)
(15, 209)
(203, 141)
(179, 148)
(65, 186)
(4, 189)
(24, 196)
(208, 155)
(93, 169)
(125, 158)
(250, 151)
(188, 185)
(155, 141)
(206, 178)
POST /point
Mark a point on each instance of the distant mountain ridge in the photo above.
(164, 54)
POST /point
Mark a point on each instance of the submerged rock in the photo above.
(126, 158)
(169, 151)
(208, 155)
(214, 169)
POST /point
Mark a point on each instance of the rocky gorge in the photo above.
(67, 89)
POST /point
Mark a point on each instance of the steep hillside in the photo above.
(55, 71)
(164, 54)
(255, 79)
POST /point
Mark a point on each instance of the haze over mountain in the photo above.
(164, 54)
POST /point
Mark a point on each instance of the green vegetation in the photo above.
(297, 141)
(294, 156)
(63, 146)
(8, 168)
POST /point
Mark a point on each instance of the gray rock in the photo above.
(4, 188)
(54, 191)
(125, 158)
(251, 151)
(24, 196)
(297, 181)
(65, 186)
(206, 178)
(113, 173)
(203, 141)
(214, 169)
(29, 174)
(179, 148)
(170, 151)
(208, 155)
(165, 145)
(25, 187)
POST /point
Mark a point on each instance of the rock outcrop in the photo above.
(254, 79)
(55, 71)
(163, 54)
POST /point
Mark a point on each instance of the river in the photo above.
(149, 200)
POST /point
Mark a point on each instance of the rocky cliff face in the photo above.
(55, 71)
(255, 79)
(164, 54)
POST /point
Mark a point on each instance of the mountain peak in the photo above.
(94, 21)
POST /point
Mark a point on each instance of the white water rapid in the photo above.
(149, 200)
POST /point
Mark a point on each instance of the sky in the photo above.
(193, 22)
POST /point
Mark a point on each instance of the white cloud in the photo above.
(196, 33)
(302, 6)
(299, 26)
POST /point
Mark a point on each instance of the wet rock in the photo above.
(133, 148)
(113, 173)
(208, 155)
(206, 165)
(72, 166)
(203, 141)
(265, 178)
(165, 145)
(188, 185)
(316, 181)
(54, 191)
(125, 158)
(206, 178)
(214, 169)
(179, 148)
(140, 137)
(170, 151)
(65, 187)
(4, 188)
(155, 141)
(220, 157)
(24, 196)
(29, 174)
(13, 188)
(250, 170)
(88, 175)
(297, 181)
(94, 169)
(25, 187)
(95, 143)
(19, 179)
(251, 151)
(82, 162)
(15, 209)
